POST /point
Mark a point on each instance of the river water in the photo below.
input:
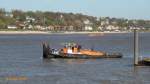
(21, 60)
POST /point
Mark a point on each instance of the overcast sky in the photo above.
(131, 9)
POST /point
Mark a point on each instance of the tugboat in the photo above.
(75, 51)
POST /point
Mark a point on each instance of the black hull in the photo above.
(77, 56)
(144, 63)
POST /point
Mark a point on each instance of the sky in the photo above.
(130, 9)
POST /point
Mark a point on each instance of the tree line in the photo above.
(63, 19)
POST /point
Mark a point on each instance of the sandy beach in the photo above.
(23, 32)
(48, 32)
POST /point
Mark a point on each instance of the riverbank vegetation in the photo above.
(56, 21)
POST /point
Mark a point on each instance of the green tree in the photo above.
(2, 24)
(19, 15)
(2, 12)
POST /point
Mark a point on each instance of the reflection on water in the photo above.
(21, 57)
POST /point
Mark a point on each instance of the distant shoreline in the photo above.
(48, 32)
(23, 32)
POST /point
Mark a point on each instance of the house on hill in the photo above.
(88, 25)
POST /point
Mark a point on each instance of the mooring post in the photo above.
(45, 50)
(136, 47)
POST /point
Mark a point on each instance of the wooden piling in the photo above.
(136, 47)
(45, 50)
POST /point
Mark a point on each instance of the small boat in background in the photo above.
(144, 62)
(75, 51)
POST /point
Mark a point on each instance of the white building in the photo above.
(30, 18)
(104, 21)
(111, 27)
(88, 25)
(12, 27)
(88, 28)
